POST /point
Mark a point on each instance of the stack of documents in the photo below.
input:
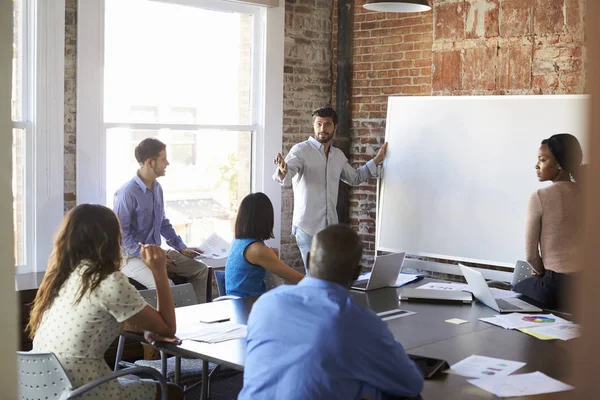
(541, 326)
(493, 375)
(212, 333)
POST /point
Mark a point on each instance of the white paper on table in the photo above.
(212, 333)
(520, 385)
(520, 320)
(481, 366)
(559, 331)
(444, 286)
(214, 247)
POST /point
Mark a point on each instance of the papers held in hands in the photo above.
(212, 333)
(214, 247)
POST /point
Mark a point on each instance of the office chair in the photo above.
(41, 376)
(220, 278)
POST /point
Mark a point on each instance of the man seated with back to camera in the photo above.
(311, 341)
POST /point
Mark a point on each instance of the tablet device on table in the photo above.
(429, 366)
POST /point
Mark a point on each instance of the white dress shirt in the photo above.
(316, 179)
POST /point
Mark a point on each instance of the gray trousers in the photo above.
(195, 271)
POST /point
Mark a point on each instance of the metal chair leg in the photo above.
(119, 354)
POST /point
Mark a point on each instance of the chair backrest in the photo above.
(41, 376)
(183, 295)
(220, 278)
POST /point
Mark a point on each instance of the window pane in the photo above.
(17, 61)
(18, 189)
(171, 63)
(209, 174)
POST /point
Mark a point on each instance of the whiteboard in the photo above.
(459, 172)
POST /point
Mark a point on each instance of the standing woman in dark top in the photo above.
(554, 223)
(249, 257)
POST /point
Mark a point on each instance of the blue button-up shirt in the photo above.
(141, 212)
(316, 180)
(310, 341)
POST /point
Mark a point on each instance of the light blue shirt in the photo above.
(316, 181)
(141, 212)
(310, 341)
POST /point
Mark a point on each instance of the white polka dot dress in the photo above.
(79, 334)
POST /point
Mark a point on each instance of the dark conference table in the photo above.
(425, 333)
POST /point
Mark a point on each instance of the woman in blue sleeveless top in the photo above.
(249, 257)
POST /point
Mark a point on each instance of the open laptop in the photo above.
(482, 292)
(384, 273)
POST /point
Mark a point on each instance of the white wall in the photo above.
(8, 313)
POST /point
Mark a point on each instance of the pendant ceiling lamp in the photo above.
(397, 5)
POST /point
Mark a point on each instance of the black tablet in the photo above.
(429, 366)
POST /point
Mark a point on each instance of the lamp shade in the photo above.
(397, 5)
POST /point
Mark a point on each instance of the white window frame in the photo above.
(42, 118)
(267, 94)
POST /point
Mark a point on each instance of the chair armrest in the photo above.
(127, 371)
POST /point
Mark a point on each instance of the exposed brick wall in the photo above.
(484, 47)
(70, 101)
(461, 47)
(391, 56)
(307, 85)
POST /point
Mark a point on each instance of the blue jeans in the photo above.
(304, 241)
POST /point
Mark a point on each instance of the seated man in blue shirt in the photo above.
(140, 206)
(310, 341)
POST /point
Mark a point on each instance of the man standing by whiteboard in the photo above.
(314, 169)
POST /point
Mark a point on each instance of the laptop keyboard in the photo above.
(505, 305)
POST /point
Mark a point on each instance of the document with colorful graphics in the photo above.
(480, 366)
(214, 247)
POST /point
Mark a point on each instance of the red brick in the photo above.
(423, 63)
(516, 17)
(420, 28)
(545, 84)
(411, 55)
(479, 69)
(549, 17)
(514, 67)
(396, 39)
(401, 81)
(449, 21)
(573, 15)
(447, 73)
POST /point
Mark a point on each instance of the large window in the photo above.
(182, 74)
(37, 115)
(21, 126)
(195, 75)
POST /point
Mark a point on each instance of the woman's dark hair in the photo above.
(148, 148)
(326, 112)
(255, 218)
(567, 151)
(89, 232)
